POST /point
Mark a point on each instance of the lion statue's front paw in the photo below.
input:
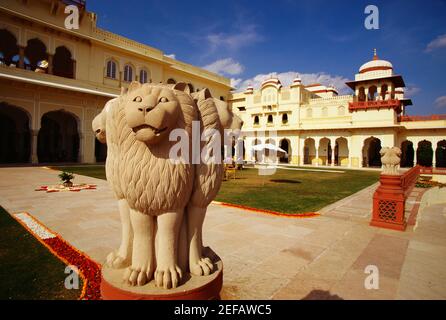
(115, 261)
(137, 276)
(201, 267)
(168, 277)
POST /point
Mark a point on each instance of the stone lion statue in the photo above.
(390, 159)
(153, 193)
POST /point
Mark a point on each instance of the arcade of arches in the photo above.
(336, 151)
(58, 139)
(35, 56)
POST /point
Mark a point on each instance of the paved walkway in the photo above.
(265, 257)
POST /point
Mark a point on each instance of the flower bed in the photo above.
(89, 271)
(61, 187)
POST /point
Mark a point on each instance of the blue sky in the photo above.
(323, 41)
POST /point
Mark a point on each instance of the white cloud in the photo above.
(235, 82)
(225, 66)
(172, 55)
(232, 42)
(440, 102)
(439, 42)
(411, 90)
(286, 78)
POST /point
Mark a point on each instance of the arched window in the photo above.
(171, 81)
(361, 94)
(222, 98)
(111, 69)
(341, 110)
(270, 118)
(324, 112)
(284, 118)
(8, 46)
(35, 51)
(191, 87)
(143, 76)
(256, 120)
(372, 93)
(128, 73)
(63, 64)
(309, 113)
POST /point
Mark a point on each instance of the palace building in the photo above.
(318, 127)
(54, 80)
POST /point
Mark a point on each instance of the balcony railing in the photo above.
(379, 104)
(423, 118)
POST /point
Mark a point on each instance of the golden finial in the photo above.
(375, 56)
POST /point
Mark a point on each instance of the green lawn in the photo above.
(286, 191)
(28, 270)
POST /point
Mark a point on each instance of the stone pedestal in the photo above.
(191, 287)
(388, 204)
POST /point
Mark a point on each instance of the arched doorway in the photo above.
(35, 52)
(171, 81)
(407, 154)
(440, 154)
(63, 64)
(425, 153)
(341, 152)
(58, 138)
(15, 134)
(324, 151)
(8, 47)
(285, 145)
(370, 152)
(309, 150)
(100, 151)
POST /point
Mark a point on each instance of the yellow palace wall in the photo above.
(85, 94)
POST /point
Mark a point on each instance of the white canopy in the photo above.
(269, 146)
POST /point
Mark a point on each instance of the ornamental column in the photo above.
(34, 157)
(333, 147)
(316, 144)
(349, 143)
(21, 57)
(302, 153)
(415, 161)
(390, 90)
(50, 64)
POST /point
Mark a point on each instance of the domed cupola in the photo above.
(273, 81)
(296, 82)
(249, 89)
(375, 64)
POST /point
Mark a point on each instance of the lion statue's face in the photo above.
(151, 111)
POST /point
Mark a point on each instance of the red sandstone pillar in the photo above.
(388, 204)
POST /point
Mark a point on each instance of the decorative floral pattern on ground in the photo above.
(61, 187)
(89, 270)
